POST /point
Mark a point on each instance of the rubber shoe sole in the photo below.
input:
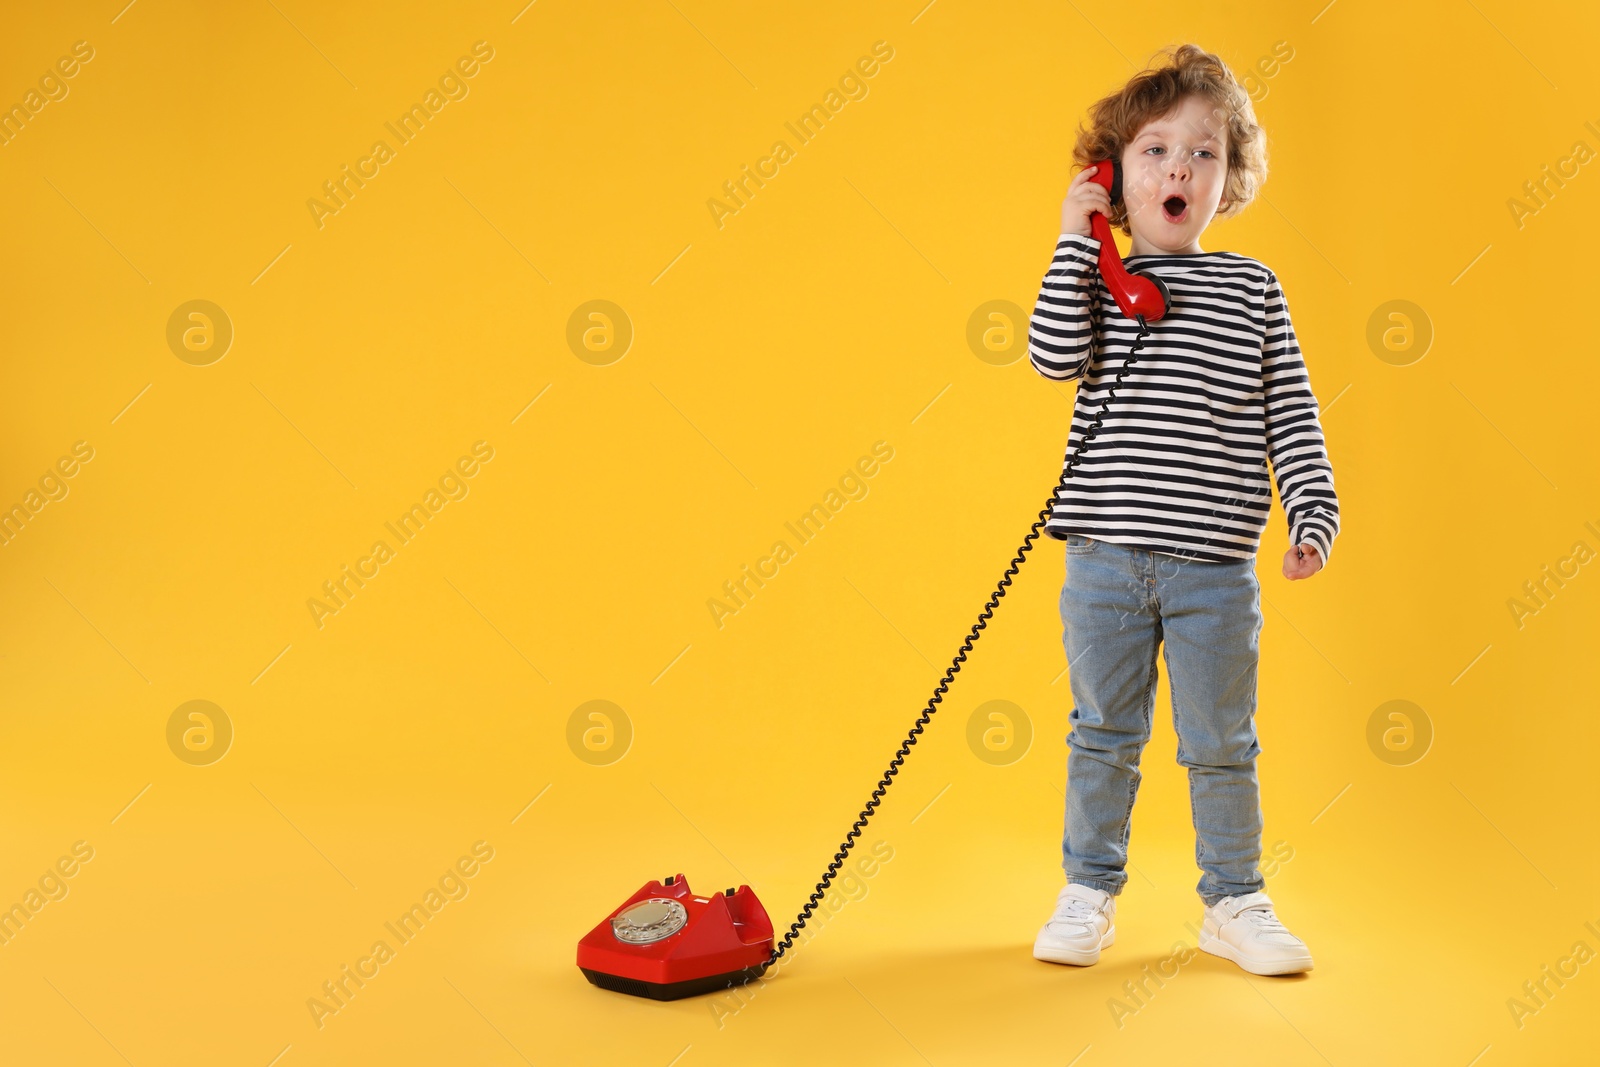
(1061, 954)
(1217, 947)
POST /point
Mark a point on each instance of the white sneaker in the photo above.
(1245, 930)
(1080, 928)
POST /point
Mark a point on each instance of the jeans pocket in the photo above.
(1077, 544)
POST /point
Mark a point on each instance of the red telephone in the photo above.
(665, 943)
(1141, 296)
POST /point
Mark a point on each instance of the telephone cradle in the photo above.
(664, 942)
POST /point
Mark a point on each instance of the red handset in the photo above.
(1141, 296)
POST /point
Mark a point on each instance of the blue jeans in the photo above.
(1118, 604)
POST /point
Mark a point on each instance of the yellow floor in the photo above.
(200, 482)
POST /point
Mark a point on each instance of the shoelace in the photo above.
(1075, 910)
(1263, 917)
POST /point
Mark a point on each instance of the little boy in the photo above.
(1163, 511)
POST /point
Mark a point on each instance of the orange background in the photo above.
(767, 355)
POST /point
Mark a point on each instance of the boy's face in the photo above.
(1172, 177)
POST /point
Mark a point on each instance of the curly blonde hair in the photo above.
(1189, 70)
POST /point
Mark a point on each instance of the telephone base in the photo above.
(665, 942)
(692, 987)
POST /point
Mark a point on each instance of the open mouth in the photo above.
(1175, 208)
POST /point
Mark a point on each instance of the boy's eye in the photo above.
(1199, 151)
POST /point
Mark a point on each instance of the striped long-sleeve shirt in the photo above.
(1179, 464)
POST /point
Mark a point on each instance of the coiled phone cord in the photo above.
(955, 664)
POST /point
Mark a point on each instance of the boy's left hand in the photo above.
(1301, 562)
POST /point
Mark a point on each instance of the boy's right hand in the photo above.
(1084, 198)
